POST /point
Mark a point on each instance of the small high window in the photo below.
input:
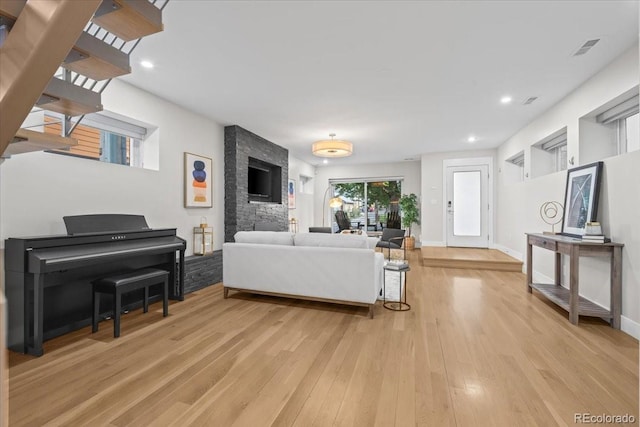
(549, 154)
(108, 138)
(611, 129)
(624, 117)
(306, 184)
(632, 133)
(514, 167)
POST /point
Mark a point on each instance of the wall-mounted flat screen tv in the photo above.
(264, 181)
(259, 181)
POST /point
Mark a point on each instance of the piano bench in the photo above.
(127, 282)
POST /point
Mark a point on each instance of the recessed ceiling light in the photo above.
(146, 64)
(506, 99)
(325, 161)
(471, 139)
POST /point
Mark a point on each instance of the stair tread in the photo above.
(489, 259)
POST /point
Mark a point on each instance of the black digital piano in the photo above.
(48, 279)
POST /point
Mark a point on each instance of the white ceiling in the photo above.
(398, 79)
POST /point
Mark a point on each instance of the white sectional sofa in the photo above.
(335, 268)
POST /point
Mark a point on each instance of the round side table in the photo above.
(401, 303)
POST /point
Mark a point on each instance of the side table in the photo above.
(401, 303)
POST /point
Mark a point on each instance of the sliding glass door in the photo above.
(367, 203)
(382, 199)
(352, 196)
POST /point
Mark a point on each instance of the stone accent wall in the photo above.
(239, 213)
(202, 271)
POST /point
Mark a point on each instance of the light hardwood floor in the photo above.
(476, 349)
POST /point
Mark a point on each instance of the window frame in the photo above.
(365, 200)
(617, 115)
(560, 164)
(556, 145)
(108, 123)
(623, 135)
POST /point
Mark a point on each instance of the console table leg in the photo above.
(529, 266)
(616, 287)
(574, 275)
(558, 265)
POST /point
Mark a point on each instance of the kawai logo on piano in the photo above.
(120, 237)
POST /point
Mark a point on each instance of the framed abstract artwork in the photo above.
(581, 198)
(291, 192)
(198, 183)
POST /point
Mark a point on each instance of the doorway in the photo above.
(468, 212)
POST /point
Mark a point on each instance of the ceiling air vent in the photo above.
(586, 47)
(529, 100)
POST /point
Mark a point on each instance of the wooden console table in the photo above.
(570, 299)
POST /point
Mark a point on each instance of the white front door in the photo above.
(467, 206)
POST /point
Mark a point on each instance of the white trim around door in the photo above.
(479, 163)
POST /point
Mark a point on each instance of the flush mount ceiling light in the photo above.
(471, 139)
(506, 99)
(332, 147)
(146, 64)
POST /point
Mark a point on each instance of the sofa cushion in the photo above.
(372, 242)
(352, 241)
(265, 237)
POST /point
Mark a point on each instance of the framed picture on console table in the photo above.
(198, 187)
(581, 198)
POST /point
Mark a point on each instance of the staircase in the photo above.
(60, 55)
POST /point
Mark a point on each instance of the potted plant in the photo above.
(410, 215)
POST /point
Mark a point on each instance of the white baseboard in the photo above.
(630, 327)
(433, 243)
(539, 277)
(515, 254)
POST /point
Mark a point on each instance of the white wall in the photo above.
(519, 202)
(431, 211)
(410, 171)
(303, 211)
(38, 189)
